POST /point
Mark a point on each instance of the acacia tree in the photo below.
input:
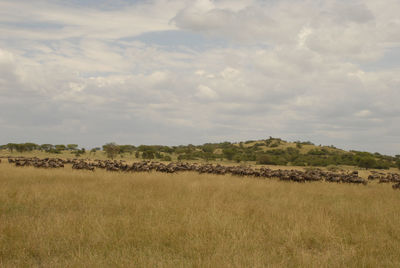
(72, 147)
(46, 147)
(60, 147)
(11, 147)
(111, 149)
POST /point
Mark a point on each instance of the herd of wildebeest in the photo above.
(173, 167)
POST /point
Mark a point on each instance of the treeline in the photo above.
(271, 151)
(323, 157)
(48, 148)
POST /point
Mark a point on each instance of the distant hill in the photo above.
(271, 151)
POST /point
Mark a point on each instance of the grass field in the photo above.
(70, 218)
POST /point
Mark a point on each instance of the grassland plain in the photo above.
(70, 218)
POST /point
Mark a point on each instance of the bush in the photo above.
(148, 155)
(276, 152)
(54, 151)
(167, 158)
(229, 153)
(367, 162)
(237, 158)
(293, 151)
(317, 152)
(78, 153)
(208, 148)
(208, 156)
(381, 165)
(265, 160)
(186, 157)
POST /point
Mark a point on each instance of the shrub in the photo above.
(229, 153)
(367, 162)
(78, 153)
(276, 152)
(237, 158)
(167, 158)
(186, 157)
(382, 165)
(148, 155)
(317, 152)
(264, 160)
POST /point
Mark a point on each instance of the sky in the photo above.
(195, 71)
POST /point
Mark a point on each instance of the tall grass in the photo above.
(59, 218)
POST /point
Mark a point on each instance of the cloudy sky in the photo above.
(184, 71)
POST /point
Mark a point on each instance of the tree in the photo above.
(367, 162)
(79, 152)
(126, 149)
(398, 164)
(20, 147)
(72, 147)
(11, 147)
(46, 147)
(60, 147)
(29, 146)
(111, 149)
(208, 148)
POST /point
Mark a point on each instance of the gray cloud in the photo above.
(293, 69)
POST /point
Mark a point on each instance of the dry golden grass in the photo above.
(69, 218)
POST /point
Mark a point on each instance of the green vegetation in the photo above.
(271, 151)
(111, 149)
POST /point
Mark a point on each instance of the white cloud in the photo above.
(204, 92)
(292, 69)
(363, 113)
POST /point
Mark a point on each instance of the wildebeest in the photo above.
(172, 167)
